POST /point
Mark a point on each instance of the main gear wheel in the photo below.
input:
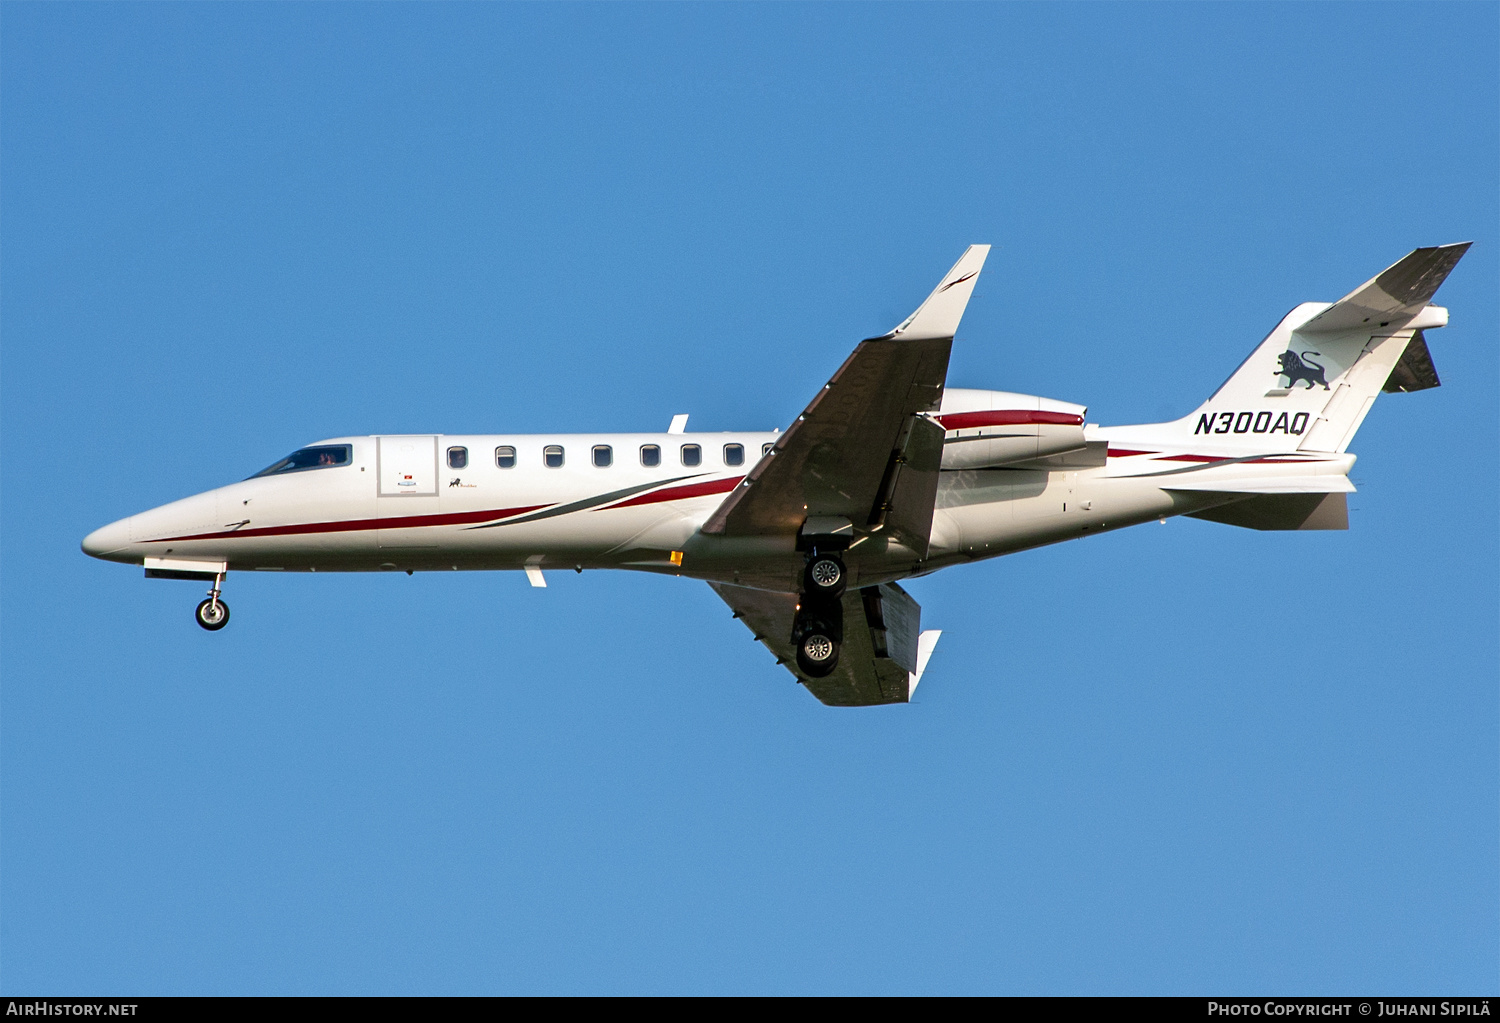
(824, 576)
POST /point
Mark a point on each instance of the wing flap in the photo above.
(908, 493)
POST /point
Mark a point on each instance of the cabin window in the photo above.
(458, 458)
(552, 454)
(734, 454)
(324, 456)
(505, 457)
(765, 449)
(603, 455)
(650, 456)
(692, 454)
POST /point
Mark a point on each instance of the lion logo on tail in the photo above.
(1298, 367)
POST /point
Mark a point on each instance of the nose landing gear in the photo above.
(213, 613)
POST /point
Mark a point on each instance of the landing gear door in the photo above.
(408, 466)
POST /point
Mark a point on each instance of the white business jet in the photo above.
(805, 533)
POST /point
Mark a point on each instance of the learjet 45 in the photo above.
(806, 532)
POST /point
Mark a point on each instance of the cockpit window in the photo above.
(324, 456)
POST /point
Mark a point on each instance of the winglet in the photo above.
(938, 316)
(926, 643)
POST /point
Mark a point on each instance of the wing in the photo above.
(884, 650)
(859, 451)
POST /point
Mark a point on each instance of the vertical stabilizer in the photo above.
(1310, 383)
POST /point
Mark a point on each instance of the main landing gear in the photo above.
(824, 576)
(213, 613)
(818, 629)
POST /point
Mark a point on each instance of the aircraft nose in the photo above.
(103, 542)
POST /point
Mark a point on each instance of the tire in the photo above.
(825, 576)
(817, 653)
(208, 619)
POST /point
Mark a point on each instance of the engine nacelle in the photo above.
(985, 429)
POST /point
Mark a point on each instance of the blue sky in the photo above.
(1181, 759)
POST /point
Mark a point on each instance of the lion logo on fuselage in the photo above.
(1298, 367)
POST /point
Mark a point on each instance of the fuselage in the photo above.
(887, 473)
(431, 502)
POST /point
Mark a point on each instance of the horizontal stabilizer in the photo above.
(939, 316)
(1392, 297)
(1269, 485)
(1282, 512)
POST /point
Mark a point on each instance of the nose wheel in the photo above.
(213, 613)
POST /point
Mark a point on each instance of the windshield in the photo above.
(324, 456)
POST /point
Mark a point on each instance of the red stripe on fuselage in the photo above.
(455, 518)
(679, 493)
(1125, 453)
(1279, 459)
(1006, 417)
(352, 525)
